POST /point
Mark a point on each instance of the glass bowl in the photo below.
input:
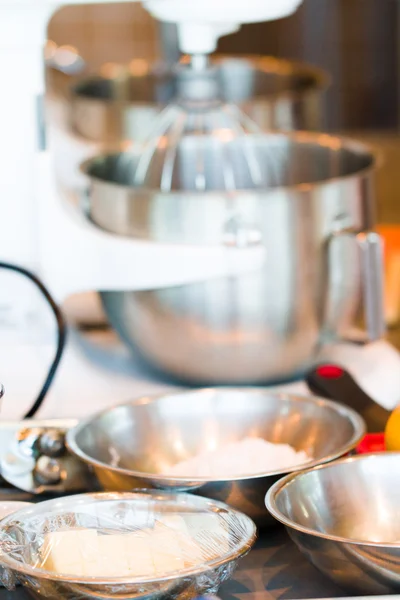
(215, 537)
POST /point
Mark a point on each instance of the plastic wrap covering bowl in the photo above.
(8, 508)
(192, 546)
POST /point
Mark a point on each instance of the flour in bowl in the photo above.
(247, 457)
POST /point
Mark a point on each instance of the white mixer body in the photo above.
(37, 230)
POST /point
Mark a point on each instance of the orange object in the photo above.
(391, 237)
(392, 431)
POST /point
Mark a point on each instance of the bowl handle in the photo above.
(370, 246)
(371, 249)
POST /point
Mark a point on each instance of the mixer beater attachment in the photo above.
(201, 143)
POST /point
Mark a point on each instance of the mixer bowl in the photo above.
(276, 94)
(345, 518)
(100, 112)
(131, 446)
(259, 327)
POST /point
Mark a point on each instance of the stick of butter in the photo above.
(83, 552)
(210, 532)
(147, 552)
(74, 551)
(190, 552)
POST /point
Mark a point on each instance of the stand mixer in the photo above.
(72, 254)
(36, 229)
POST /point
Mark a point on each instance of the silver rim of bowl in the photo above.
(276, 488)
(297, 137)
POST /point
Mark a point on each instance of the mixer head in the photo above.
(202, 22)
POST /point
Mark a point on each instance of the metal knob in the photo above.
(239, 234)
(47, 471)
(52, 443)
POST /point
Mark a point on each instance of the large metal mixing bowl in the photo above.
(267, 325)
(345, 517)
(132, 445)
(121, 104)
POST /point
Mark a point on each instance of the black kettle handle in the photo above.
(333, 382)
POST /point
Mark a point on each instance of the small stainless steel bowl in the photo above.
(132, 445)
(22, 536)
(345, 517)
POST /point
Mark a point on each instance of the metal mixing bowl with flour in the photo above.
(134, 445)
(322, 261)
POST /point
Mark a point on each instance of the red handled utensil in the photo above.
(372, 442)
(335, 383)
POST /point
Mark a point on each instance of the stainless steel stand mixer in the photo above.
(223, 253)
(207, 174)
(36, 228)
